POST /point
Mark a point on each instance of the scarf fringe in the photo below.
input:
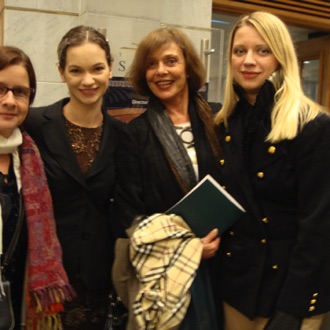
(49, 322)
(44, 307)
(50, 300)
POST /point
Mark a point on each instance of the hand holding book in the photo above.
(211, 244)
(208, 206)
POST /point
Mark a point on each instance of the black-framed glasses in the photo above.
(20, 93)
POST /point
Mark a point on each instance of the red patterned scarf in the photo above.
(47, 284)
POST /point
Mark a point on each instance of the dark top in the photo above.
(277, 255)
(147, 185)
(15, 270)
(82, 203)
(147, 182)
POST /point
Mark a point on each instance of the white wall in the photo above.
(37, 26)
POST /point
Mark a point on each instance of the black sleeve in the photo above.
(128, 203)
(283, 321)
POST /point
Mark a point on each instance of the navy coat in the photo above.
(278, 255)
(81, 203)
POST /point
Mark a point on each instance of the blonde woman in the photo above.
(275, 263)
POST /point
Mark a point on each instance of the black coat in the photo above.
(277, 255)
(147, 182)
(81, 203)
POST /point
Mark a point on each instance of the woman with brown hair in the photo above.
(77, 141)
(172, 145)
(31, 270)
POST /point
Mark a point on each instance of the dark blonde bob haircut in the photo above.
(153, 42)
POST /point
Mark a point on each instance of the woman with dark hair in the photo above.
(170, 147)
(30, 253)
(77, 141)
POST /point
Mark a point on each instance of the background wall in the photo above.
(37, 26)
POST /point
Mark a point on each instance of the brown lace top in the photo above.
(85, 143)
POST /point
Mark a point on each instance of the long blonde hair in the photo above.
(292, 108)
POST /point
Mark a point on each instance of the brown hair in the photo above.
(78, 36)
(155, 40)
(10, 55)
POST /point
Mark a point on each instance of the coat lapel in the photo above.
(238, 163)
(57, 141)
(107, 148)
(263, 155)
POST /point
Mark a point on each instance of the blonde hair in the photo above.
(154, 41)
(292, 108)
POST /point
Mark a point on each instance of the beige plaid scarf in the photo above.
(166, 255)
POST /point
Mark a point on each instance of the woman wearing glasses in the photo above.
(77, 140)
(29, 249)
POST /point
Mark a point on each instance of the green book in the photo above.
(208, 206)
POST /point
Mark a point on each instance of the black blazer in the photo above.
(81, 203)
(147, 183)
(277, 256)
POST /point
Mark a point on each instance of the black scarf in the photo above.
(254, 114)
(170, 141)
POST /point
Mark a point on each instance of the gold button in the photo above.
(263, 241)
(231, 233)
(275, 267)
(313, 301)
(271, 150)
(264, 220)
(227, 138)
(224, 187)
(222, 162)
(311, 309)
(260, 175)
(315, 294)
(228, 254)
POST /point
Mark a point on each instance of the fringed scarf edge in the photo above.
(46, 292)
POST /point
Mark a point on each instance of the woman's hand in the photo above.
(210, 244)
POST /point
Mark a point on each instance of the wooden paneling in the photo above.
(318, 48)
(126, 114)
(313, 14)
